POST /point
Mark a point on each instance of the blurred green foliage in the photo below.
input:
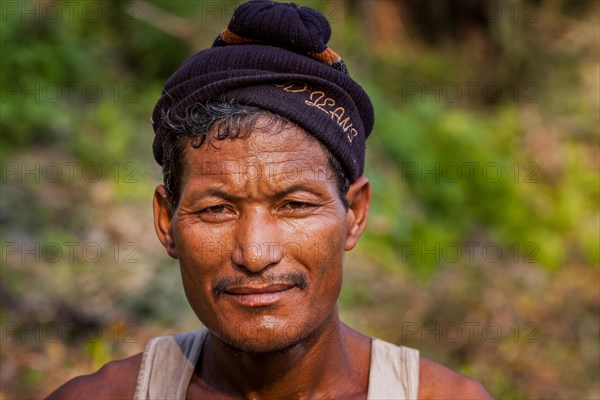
(513, 163)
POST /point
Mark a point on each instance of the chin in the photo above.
(264, 336)
(260, 349)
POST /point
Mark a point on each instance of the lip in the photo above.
(259, 296)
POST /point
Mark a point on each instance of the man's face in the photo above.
(260, 232)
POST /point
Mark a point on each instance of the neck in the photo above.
(320, 365)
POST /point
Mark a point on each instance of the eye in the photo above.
(216, 213)
(296, 207)
(215, 209)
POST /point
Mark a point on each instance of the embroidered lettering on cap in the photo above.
(320, 100)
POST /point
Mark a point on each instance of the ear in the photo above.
(359, 198)
(163, 214)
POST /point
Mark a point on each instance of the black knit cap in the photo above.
(275, 56)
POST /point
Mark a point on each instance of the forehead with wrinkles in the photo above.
(271, 155)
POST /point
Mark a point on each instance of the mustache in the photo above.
(289, 278)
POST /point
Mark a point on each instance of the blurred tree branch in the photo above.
(181, 28)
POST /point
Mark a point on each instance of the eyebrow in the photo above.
(295, 188)
(281, 193)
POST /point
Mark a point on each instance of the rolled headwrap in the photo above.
(275, 56)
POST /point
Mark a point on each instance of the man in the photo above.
(262, 140)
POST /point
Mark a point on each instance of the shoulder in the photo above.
(439, 382)
(115, 380)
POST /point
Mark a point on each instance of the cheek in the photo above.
(323, 255)
(201, 258)
(326, 240)
(196, 243)
(200, 254)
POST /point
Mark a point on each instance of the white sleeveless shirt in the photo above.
(168, 363)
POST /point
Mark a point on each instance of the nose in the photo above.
(258, 242)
